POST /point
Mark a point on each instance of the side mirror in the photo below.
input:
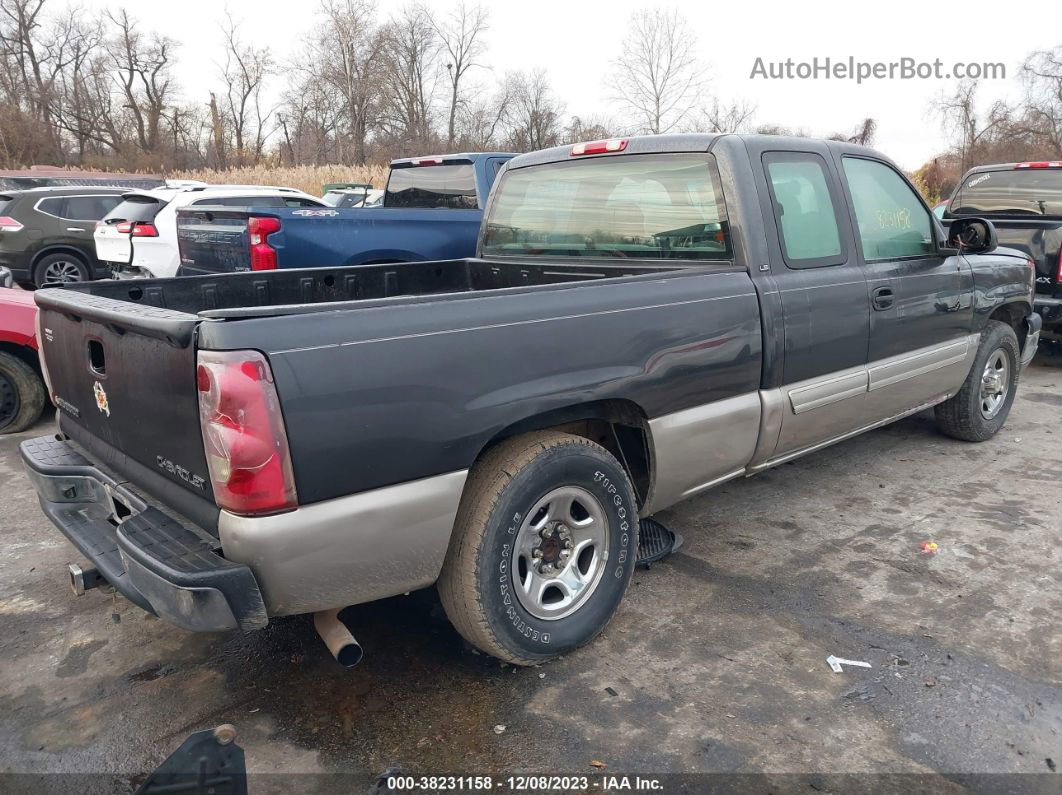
(972, 236)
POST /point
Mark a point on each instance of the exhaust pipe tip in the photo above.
(340, 642)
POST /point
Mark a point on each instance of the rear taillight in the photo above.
(143, 229)
(243, 433)
(427, 161)
(263, 255)
(137, 229)
(599, 147)
(9, 224)
(1058, 273)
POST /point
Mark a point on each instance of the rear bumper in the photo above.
(1050, 309)
(154, 561)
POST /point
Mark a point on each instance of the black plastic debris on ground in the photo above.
(655, 542)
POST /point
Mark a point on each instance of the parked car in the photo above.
(46, 233)
(22, 391)
(432, 207)
(648, 318)
(939, 208)
(1024, 202)
(353, 197)
(138, 238)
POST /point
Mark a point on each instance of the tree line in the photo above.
(1026, 129)
(98, 89)
(361, 87)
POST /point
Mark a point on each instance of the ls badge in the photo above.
(101, 398)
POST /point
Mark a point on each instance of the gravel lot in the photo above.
(715, 663)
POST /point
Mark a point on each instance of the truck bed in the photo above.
(297, 291)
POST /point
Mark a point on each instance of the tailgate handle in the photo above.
(97, 360)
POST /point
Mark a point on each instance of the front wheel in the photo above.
(543, 549)
(979, 409)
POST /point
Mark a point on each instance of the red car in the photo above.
(22, 391)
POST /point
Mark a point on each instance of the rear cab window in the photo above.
(1019, 191)
(451, 187)
(656, 207)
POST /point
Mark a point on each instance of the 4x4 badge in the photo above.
(101, 398)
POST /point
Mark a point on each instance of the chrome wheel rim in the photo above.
(560, 553)
(995, 383)
(61, 272)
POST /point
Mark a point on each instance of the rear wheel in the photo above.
(58, 269)
(544, 547)
(21, 394)
(981, 407)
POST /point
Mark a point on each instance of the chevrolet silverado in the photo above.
(646, 318)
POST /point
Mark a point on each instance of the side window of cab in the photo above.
(893, 223)
(805, 209)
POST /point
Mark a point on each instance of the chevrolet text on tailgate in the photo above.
(647, 318)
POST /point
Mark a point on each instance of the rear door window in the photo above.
(52, 206)
(805, 211)
(450, 187)
(89, 208)
(893, 223)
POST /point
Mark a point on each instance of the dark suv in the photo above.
(46, 233)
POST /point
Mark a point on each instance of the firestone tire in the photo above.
(979, 409)
(507, 585)
(21, 394)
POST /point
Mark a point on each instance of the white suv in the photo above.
(138, 238)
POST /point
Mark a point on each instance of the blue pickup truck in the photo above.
(431, 210)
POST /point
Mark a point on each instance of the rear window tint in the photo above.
(139, 209)
(637, 206)
(1022, 191)
(53, 206)
(450, 187)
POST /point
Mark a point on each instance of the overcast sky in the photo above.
(575, 41)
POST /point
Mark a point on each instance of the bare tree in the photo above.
(534, 112)
(735, 117)
(863, 134)
(1042, 75)
(143, 74)
(245, 69)
(461, 36)
(411, 68)
(657, 76)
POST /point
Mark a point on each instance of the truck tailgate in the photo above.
(213, 242)
(124, 380)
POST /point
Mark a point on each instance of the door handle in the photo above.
(74, 229)
(882, 298)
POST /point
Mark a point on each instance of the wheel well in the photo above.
(28, 355)
(1013, 314)
(620, 426)
(59, 250)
